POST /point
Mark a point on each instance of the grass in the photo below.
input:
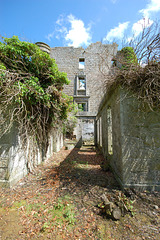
(61, 213)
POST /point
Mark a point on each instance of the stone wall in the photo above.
(96, 56)
(16, 159)
(97, 60)
(85, 128)
(55, 141)
(130, 140)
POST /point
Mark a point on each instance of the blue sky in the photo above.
(76, 22)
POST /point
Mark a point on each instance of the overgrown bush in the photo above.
(137, 68)
(125, 58)
(142, 82)
(30, 90)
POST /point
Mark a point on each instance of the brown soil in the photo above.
(69, 186)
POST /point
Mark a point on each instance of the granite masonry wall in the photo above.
(130, 140)
(97, 58)
(89, 65)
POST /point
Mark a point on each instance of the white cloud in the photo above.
(60, 20)
(50, 36)
(59, 28)
(117, 32)
(72, 30)
(138, 27)
(152, 6)
(78, 34)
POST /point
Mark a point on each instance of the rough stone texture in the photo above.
(55, 141)
(12, 164)
(135, 140)
(84, 130)
(97, 58)
(15, 160)
(88, 130)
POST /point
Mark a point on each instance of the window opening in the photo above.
(110, 139)
(113, 63)
(81, 63)
(82, 106)
(82, 83)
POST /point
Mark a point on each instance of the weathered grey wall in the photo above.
(141, 144)
(136, 141)
(88, 130)
(115, 158)
(84, 130)
(67, 59)
(55, 141)
(8, 143)
(15, 160)
(98, 58)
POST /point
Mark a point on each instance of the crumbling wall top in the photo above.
(44, 47)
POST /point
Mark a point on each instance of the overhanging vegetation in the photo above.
(30, 90)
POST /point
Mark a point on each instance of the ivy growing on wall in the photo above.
(126, 58)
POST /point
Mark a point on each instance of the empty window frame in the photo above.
(81, 83)
(81, 63)
(82, 106)
(109, 123)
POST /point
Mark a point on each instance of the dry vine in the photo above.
(140, 74)
(31, 97)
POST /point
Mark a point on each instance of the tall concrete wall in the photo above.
(85, 128)
(135, 155)
(16, 159)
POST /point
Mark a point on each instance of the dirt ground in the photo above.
(60, 200)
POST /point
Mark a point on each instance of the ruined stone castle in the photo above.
(85, 69)
(128, 137)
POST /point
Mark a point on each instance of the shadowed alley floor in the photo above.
(59, 201)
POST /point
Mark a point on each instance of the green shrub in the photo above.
(31, 88)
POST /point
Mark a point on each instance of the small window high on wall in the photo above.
(82, 106)
(81, 63)
(109, 123)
